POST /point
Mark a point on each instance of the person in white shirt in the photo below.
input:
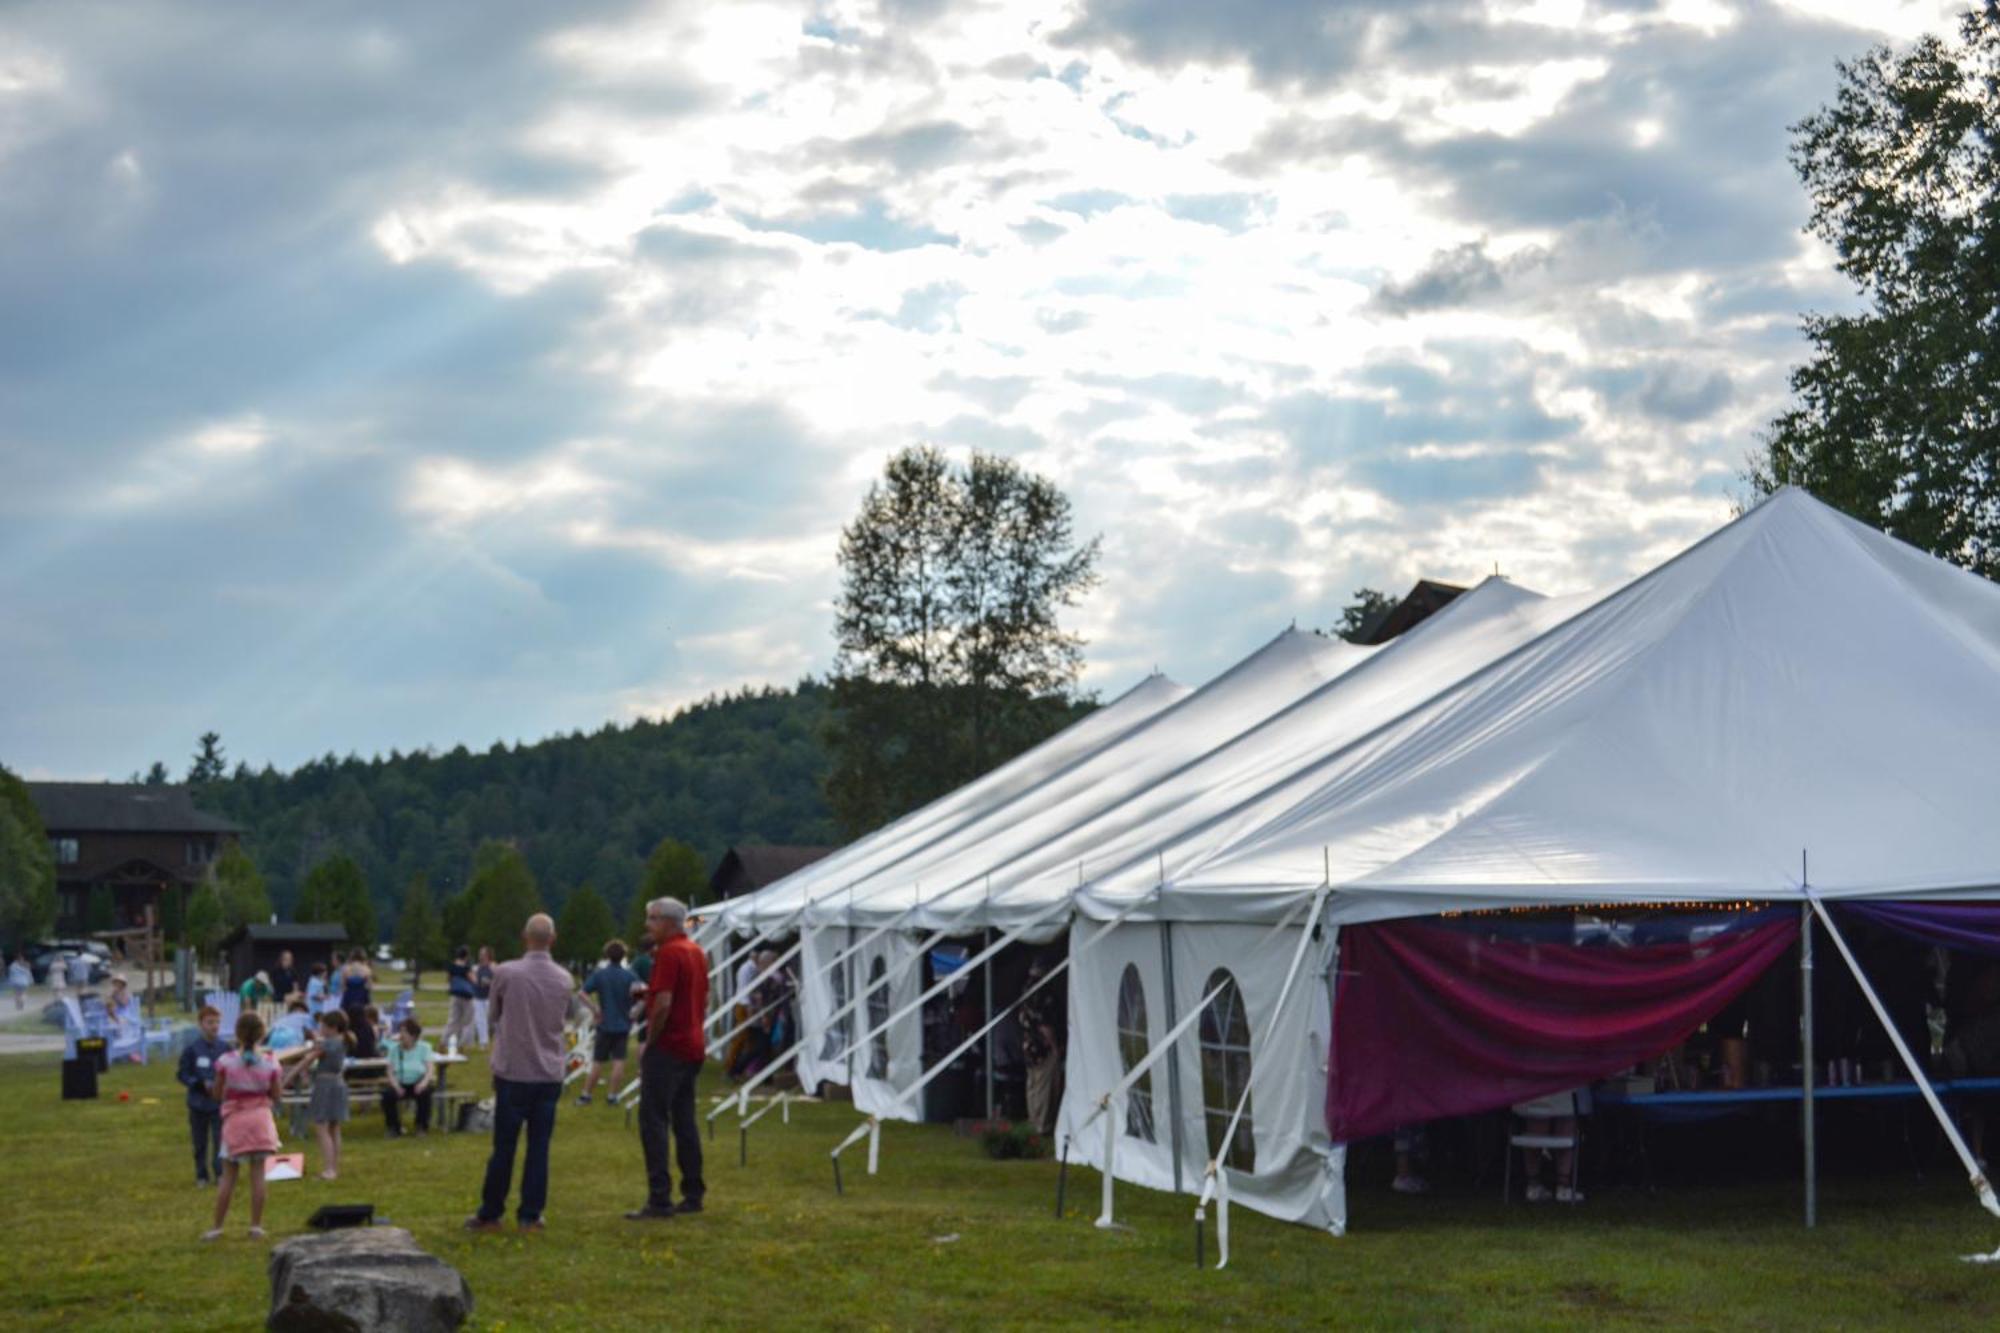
(59, 976)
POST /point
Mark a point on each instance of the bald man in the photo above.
(530, 999)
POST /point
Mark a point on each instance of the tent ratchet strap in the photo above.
(1980, 1184)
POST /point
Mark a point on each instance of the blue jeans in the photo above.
(515, 1105)
(205, 1127)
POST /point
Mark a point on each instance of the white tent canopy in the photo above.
(1795, 682)
(1030, 820)
(834, 876)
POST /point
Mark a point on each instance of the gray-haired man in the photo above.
(670, 1060)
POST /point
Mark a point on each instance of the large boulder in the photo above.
(364, 1280)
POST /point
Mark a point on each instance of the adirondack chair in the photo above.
(74, 1026)
(405, 1004)
(229, 1004)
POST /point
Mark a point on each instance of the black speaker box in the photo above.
(79, 1079)
(333, 1216)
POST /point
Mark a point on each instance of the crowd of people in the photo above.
(304, 1032)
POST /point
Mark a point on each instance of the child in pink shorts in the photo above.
(247, 1085)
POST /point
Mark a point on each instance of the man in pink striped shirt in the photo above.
(530, 1000)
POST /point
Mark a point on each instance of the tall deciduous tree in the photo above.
(337, 890)
(240, 892)
(673, 870)
(206, 920)
(419, 934)
(27, 866)
(585, 926)
(1898, 413)
(504, 897)
(952, 656)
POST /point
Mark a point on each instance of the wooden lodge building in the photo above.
(139, 841)
(747, 869)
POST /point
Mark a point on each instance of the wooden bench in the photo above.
(365, 1081)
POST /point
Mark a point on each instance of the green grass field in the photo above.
(101, 1220)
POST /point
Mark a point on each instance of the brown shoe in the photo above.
(535, 1225)
(477, 1223)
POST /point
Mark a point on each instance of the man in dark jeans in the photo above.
(530, 999)
(670, 1062)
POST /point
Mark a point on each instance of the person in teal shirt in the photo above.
(412, 1077)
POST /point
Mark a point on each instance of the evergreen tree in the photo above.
(505, 896)
(584, 927)
(1898, 413)
(241, 891)
(157, 775)
(1363, 614)
(208, 765)
(419, 935)
(336, 890)
(951, 655)
(27, 866)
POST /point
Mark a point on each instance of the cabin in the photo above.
(747, 869)
(1422, 602)
(140, 842)
(249, 950)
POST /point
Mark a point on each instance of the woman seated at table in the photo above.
(412, 1077)
(1553, 1116)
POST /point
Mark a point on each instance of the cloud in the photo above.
(492, 370)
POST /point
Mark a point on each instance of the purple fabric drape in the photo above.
(1433, 1020)
(1973, 927)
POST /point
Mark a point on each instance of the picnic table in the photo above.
(368, 1079)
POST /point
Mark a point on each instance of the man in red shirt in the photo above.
(670, 1060)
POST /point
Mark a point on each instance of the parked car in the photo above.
(97, 968)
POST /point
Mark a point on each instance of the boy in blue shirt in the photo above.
(609, 994)
(197, 1075)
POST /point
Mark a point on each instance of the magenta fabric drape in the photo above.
(1435, 1020)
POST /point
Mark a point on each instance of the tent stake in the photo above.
(836, 1175)
(1062, 1177)
(1200, 1254)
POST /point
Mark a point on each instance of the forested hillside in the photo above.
(583, 809)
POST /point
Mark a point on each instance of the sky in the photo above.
(382, 377)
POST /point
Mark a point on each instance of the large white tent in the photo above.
(1795, 683)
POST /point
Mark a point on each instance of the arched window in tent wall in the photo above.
(878, 1014)
(1134, 1043)
(840, 1031)
(1225, 1070)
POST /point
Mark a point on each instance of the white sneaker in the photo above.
(1538, 1193)
(1564, 1194)
(1410, 1185)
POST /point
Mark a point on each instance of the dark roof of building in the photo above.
(122, 807)
(1421, 603)
(762, 865)
(289, 932)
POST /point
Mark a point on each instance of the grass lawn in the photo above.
(101, 1220)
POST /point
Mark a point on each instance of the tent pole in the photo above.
(986, 937)
(1173, 1052)
(1806, 1063)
